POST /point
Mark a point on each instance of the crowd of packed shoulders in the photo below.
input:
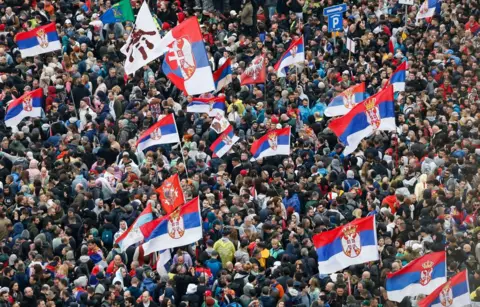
(73, 181)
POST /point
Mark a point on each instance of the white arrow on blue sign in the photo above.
(335, 9)
(335, 22)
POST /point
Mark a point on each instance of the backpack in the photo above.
(17, 248)
(292, 301)
(107, 237)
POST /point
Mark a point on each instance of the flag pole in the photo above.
(180, 144)
(183, 158)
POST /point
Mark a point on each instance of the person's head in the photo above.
(28, 292)
(146, 297)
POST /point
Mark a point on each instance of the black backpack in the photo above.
(293, 301)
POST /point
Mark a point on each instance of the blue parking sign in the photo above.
(335, 23)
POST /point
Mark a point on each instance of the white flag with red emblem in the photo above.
(143, 44)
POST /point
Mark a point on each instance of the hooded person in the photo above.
(80, 286)
(421, 186)
(107, 190)
(191, 296)
(119, 277)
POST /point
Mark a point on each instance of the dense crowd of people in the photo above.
(72, 181)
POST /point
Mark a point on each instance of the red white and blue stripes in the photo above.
(162, 132)
(28, 105)
(39, 40)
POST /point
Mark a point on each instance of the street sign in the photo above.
(335, 22)
(335, 9)
(407, 2)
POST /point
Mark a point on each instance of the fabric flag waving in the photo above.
(181, 227)
(255, 73)
(186, 63)
(427, 9)
(162, 132)
(143, 44)
(40, 40)
(295, 54)
(421, 276)
(219, 124)
(454, 293)
(119, 12)
(374, 113)
(398, 78)
(27, 105)
(351, 44)
(351, 244)
(133, 234)
(223, 75)
(224, 142)
(171, 194)
(273, 143)
(213, 106)
(164, 256)
(346, 100)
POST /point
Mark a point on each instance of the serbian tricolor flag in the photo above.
(374, 113)
(179, 228)
(346, 100)
(223, 75)
(186, 63)
(427, 9)
(171, 194)
(27, 105)
(398, 78)
(295, 54)
(255, 73)
(454, 292)
(421, 276)
(351, 244)
(224, 142)
(162, 132)
(273, 143)
(133, 234)
(39, 40)
(213, 106)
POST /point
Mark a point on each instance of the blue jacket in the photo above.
(214, 265)
(304, 113)
(292, 202)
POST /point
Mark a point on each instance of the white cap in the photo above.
(68, 21)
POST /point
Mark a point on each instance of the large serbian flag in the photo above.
(273, 143)
(421, 276)
(374, 113)
(39, 40)
(351, 244)
(171, 194)
(453, 293)
(224, 142)
(294, 55)
(179, 228)
(28, 105)
(186, 63)
(162, 132)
